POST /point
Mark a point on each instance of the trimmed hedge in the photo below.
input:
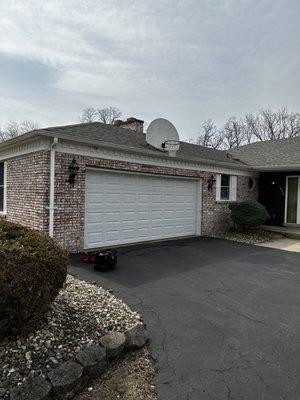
(33, 268)
(248, 214)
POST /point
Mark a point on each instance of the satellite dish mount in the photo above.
(163, 135)
(171, 146)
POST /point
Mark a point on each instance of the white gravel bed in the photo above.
(251, 237)
(80, 315)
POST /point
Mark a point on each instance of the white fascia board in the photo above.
(30, 145)
(126, 156)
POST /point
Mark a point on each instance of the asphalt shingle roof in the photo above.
(98, 133)
(271, 154)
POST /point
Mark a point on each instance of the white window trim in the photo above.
(4, 187)
(232, 188)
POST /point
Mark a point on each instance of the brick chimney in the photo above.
(131, 123)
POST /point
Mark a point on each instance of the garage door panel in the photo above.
(128, 208)
(95, 237)
(113, 198)
(96, 230)
(96, 198)
(128, 215)
(143, 233)
(128, 234)
(96, 216)
(95, 179)
(112, 216)
(128, 225)
(142, 214)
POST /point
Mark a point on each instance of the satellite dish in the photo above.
(163, 135)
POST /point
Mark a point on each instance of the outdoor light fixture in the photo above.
(211, 181)
(73, 171)
(251, 183)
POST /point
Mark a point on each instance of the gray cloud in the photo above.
(185, 60)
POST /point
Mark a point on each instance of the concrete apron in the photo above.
(283, 244)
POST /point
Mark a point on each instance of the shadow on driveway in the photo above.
(223, 317)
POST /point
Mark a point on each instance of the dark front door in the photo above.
(272, 196)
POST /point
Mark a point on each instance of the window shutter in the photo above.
(233, 188)
(218, 187)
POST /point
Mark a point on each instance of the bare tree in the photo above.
(293, 125)
(14, 129)
(89, 114)
(2, 135)
(271, 125)
(106, 115)
(234, 133)
(27, 126)
(209, 136)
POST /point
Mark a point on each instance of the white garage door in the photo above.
(126, 208)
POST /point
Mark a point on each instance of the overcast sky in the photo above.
(186, 60)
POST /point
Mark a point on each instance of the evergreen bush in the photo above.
(248, 214)
(33, 269)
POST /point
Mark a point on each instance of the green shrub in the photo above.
(248, 214)
(33, 269)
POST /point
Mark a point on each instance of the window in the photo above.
(2, 187)
(226, 187)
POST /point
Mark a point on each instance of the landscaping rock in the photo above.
(80, 316)
(114, 343)
(67, 380)
(252, 236)
(93, 359)
(136, 336)
(37, 389)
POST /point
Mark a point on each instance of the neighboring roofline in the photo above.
(262, 141)
(45, 133)
(278, 168)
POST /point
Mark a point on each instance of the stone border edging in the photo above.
(72, 376)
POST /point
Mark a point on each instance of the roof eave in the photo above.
(37, 133)
(146, 152)
(18, 139)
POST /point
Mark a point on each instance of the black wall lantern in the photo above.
(251, 183)
(73, 171)
(211, 182)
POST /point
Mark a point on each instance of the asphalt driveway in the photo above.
(223, 317)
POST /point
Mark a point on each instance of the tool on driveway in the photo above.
(104, 260)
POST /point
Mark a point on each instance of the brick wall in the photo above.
(28, 194)
(28, 190)
(70, 201)
(215, 214)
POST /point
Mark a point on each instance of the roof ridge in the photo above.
(72, 125)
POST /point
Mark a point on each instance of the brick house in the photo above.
(125, 190)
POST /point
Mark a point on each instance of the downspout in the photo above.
(52, 184)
